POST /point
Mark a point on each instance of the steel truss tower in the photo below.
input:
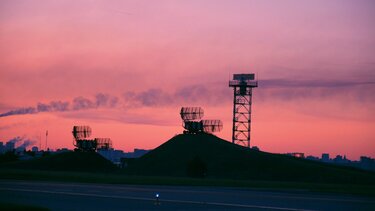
(243, 85)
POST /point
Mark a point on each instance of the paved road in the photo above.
(80, 196)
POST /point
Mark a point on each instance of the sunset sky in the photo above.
(127, 67)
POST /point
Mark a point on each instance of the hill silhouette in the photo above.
(67, 161)
(205, 155)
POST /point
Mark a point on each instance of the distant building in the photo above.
(115, 156)
(20, 149)
(34, 149)
(325, 157)
(310, 157)
(63, 150)
(366, 160)
(339, 159)
(2, 148)
(9, 146)
(367, 163)
(296, 154)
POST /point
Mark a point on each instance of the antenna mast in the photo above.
(243, 85)
(46, 139)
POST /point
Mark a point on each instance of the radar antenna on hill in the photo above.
(191, 113)
(81, 132)
(192, 122)
(211, 126)
(82, 142)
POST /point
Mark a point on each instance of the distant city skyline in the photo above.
(125, 68)
(119, 157)
(18, 144)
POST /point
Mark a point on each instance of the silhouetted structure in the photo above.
(191, 113)
(81, 132)
(211, 126)
(81, 136)
(296, 154)
(205, 155)
(243, 85)
(103, 143)
(325, 157)
(192, 122)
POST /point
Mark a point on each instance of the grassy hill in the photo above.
(205, 155)
(68, 161)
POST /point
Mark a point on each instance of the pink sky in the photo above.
(126, 68)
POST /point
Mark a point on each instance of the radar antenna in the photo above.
(82, 142)
(193, 124)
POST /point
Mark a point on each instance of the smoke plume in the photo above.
(22, 142)
(186, 95)
(213, 94)
(79, 103)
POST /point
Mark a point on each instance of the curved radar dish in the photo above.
(80, 132)
(207, 126)
(211, 126)
(103, 143)
(191, 113)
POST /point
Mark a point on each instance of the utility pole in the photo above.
(46, 139)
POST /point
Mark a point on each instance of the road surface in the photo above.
(82, 196)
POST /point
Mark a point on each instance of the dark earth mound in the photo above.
(68, 161)
(205, 155)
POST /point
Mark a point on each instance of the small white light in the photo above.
(157, 195)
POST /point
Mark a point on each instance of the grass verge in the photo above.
(20, 207)
(120, 178)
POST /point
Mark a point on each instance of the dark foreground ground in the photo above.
(80, 196)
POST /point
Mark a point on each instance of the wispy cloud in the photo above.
(287, 90)
(270, 83)
(195, 94)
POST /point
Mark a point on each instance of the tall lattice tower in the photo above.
(243, 85)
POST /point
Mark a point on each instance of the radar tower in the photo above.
(243, 85)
